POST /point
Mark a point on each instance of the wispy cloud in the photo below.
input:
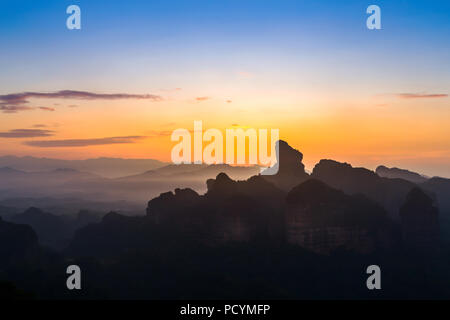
(83, 142)
(26, 133)
(156, 133)
(15, 102)
(421, 95)
(46, 108)
(199, 99)
(13, 109)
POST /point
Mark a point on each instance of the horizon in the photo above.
(307, 168)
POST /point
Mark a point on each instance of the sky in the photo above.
(137, 70)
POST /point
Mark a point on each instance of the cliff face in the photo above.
(419, 220)
(323, 219)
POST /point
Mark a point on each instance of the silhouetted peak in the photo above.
(36, 214)
(9, 170)
(332, 164)
(33, 211)
(223, 178)
(289, 170)
(65, 170)
(394, 173)
(418, 199)
(288, 154)
(169, 201)
(222, 183)
(112, 217)
(332, 168)
(185, 193)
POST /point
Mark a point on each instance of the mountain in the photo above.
(67, 183)
(256, 238)
(323, 219)
(51, 229)
(193, 172)
(60, 181)
(66, 206)
(420, 224)
(16, 241)
(55, 231)
(106, 167)
(396, 173)
(390, 193)
(289, 170)
(441, 188)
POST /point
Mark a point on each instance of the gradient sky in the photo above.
(309, 68)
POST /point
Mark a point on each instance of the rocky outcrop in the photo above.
(289, 170)
(230, 211)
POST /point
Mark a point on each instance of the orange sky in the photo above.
(365, 131)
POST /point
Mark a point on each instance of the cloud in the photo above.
(13, 109)
(15, 102)
(26, 133)
(199, 99)
(39, 125)
(421, 95)
(83, 142)
(155, 133)
(46, 108)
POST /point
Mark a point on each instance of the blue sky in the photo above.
(188, 35)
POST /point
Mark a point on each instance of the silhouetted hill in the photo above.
(420, 223)
(390, 193)
(441, 188)
(186, 172)
(16, 241)
(51, 229)
(395, 173)
(68, 206)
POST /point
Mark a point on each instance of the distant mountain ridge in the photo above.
(393, 173)
(106, 167)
